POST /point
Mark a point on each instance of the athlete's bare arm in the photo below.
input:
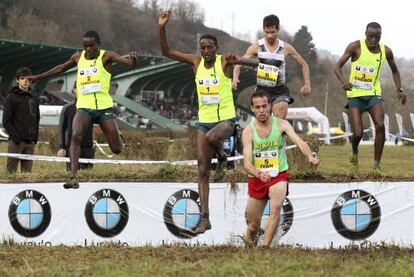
(395, 74)
(290, 50)
(350, 53)
(228, 61)
(247, 138)
(171, 53)
(285, 127)
(59, 69)
(250, 52)
(112, 57)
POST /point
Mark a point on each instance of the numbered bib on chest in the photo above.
(364, 77)
(209, 90)
(267, 75)
(267, 161)
(88, 79)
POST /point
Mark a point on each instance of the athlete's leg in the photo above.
(254, 213)
(204, 155)
(215, 138)
(216, 135)
(377, 115)
(110, 129)
(81, 124)
(277, 194)
(355, 115)
(280, 109)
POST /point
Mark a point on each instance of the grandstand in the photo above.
(159, 93)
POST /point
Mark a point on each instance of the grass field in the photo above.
(182, 260)
(334, 167)
(204, 261)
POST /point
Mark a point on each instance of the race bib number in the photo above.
(89, 80)
(267, 75)
(267, 161)
(209, 90)
(364, 77)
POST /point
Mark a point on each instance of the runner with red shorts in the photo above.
(265, 161)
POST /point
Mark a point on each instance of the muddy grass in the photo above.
(182, 260)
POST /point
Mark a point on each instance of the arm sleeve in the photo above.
(8, 120)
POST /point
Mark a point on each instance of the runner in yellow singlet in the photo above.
(94, 104)
(216, 115)
(363, 89)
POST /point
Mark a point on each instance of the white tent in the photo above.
(311, 114)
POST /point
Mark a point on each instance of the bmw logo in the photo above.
(30, 213)
(356, 214)
(106, 213)
(286, 217)
(182, 213)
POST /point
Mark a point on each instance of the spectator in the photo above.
(21, 120)
(65, 133)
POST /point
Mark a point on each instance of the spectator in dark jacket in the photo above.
(21, 120)
(65, 134)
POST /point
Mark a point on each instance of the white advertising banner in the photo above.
(400, 123)
(136, 214)
(412, 119)
(387, 127)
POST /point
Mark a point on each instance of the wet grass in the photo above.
(334, 165)
(181, 260)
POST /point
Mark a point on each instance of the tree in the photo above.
(302, 42)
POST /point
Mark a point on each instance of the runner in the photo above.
(265, 161)
(363, 89)
(272, 53)
(216, 115)
(94, 104)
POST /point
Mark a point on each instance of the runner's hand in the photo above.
(231, 58)
(32, 79)
(163, 18)
(133, 56)
(402, 97)
(313, 161)
(305, 90)
(346, 85)
(235, 83)
(264, 176)
(61, 153)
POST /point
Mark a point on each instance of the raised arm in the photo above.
(349, 53)
(165, 48)
(285, 127)
(72, 62)
(395, 75)
(250, 52)
(290, 50)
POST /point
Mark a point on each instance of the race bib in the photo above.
(267, 75)
(364, 77)
(267, 161)
(209, 90)
(89, 80)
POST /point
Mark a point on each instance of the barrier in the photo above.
(316, 215)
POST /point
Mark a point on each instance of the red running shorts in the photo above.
(260, 190)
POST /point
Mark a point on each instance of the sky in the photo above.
(333, 24)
